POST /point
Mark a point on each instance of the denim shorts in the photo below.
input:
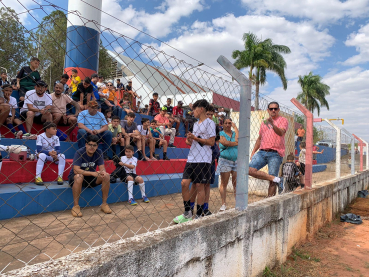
(225, 165)
(263, 158)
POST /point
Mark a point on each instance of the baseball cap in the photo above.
(41, 84)
(164, 109)
(180, 103)
(93, 104)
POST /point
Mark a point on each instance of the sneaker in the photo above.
(106, 209)
(198, 217)
(171, 145)
(60, 180)
(207, 213)
(182, 218)
(223, 208)
(76, 211)
(132, 202)
(166, 158)
(26, 135)
(39, 182)
(145, 199)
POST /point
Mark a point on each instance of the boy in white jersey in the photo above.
(198, 166)
(129, 176)
(48, 149)
(146, 138)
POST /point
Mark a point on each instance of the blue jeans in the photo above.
(105, 137)
(263, 158)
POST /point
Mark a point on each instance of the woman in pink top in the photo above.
(270, 144)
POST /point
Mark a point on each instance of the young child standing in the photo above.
(159, 138)
(289, 172)
(48, 149)
(129, 176)
(198, 166)
(301, 163)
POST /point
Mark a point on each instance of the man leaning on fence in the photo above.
(270, 144)
(92, 122)
(84, 174)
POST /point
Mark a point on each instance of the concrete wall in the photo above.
(231, 243)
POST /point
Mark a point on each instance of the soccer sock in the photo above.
(11, 127)
(187, 205)
(200, 210)
(61, 165)
(192, 204)
(139, 152)
(164, 155)
(39, 167)
(206, 206)
(21, 128)
(130, 189)
(142, 187)
(276, 180)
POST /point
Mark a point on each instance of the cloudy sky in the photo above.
(330, 38)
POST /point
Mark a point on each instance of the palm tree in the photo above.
(261, 55)
(313, 92)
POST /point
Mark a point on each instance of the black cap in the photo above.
(41, 84)
(95, 75)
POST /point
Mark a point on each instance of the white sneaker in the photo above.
(223, 208)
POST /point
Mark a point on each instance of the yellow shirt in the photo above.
(73, 85)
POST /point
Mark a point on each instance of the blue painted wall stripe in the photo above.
(82, 47)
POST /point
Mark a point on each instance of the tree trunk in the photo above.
(257, 85)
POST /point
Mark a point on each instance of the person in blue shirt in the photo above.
(228, 158)
(92, 122)
(159, 138)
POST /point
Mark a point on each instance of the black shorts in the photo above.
(22, 92)
(131, 142)
(199, 173)
(37, 119)
(157, 144)
(88, 181)
(123, 176)
(302, 168)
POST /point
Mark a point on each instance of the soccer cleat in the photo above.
(145, 199)
(132, 202)
(223, 208)
(182, 218)
(207, 213)
(171, 145)
(60, 181)
(198, 216)
(39, 182)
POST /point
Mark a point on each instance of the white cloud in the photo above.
(205, 41)
(20, 7)
(157, 24)
(316, 10)
(348, 98)
(360, 40)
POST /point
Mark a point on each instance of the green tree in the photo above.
(313, 92)
(261, 56)
(106, 66)
(14, 46)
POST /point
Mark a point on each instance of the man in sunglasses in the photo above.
(270, 144)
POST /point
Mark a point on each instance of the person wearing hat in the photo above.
(162, 121)
(92, 122)
(36, 108)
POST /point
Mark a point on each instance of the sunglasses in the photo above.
(273, 109)
(109, 85)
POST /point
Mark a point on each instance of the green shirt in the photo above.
(215, 119)
(115, 131)
(28, 78)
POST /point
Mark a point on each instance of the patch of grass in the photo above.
(283, 271)
(366, 265)
(268, 272)
(302, 255)
(348, 268)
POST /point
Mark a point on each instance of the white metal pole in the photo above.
(338, 148)
(367, 156)
(352, 150)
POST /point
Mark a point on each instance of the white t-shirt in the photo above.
(37, 101)
(198, 153)
(100, 85)
(222, 113)
(132, 161)
(12, 103)
(143, 131)
(47, 144)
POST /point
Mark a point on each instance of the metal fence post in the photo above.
(367, 156)
(352, 150)
(242, 187)
(361, 144)
(338, 148)
(309, 143)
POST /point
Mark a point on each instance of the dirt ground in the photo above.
(338, 249)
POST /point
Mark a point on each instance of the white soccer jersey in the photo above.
(46, 143)
(131, 161)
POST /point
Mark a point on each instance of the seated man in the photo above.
(84, 93)
(92, 122)
(36, 108)
(147, 138)
(130, 90)
(63, 81)
(131, 134)
(159, 138)
(111, 96)
(48, 149)
(84, 174)
(27, 78)
(59, 109)
(163, 122)
(12, 119)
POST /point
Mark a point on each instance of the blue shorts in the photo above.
(225, 165)
(263, 158)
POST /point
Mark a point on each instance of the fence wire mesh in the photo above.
(146, 128)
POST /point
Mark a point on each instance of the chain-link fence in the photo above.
(149, 141)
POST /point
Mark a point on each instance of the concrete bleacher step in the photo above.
(69, 148)
(24, 172)
(30, 199)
